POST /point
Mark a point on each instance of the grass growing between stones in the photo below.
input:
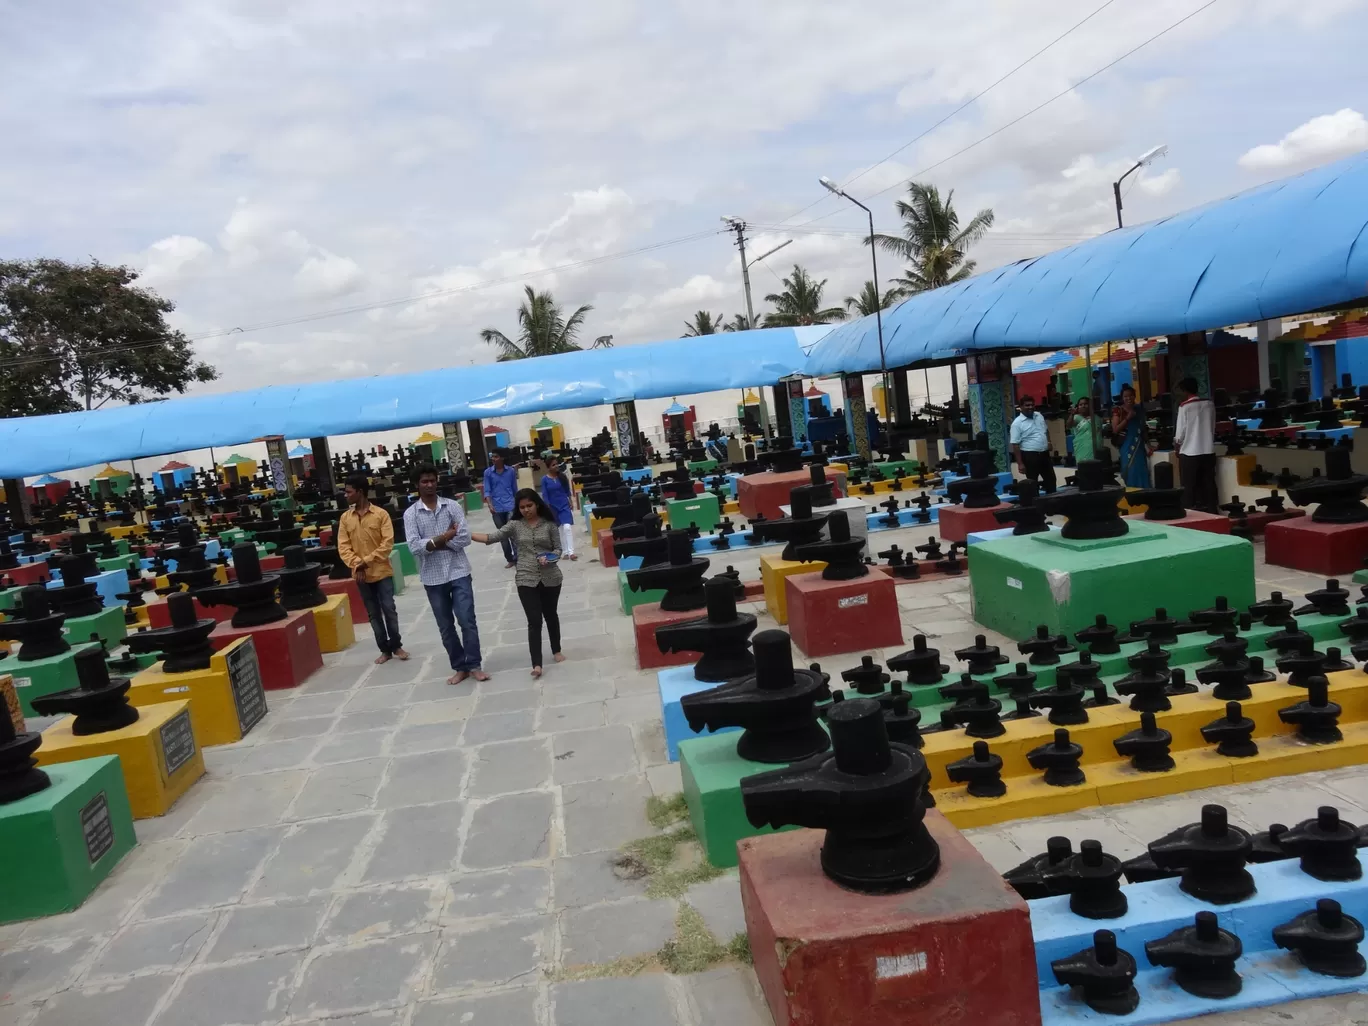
(669, 862)
(663, 812)
(692, 949)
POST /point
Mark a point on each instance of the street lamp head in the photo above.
(831, 186)
(1151, 156)
(732, 221)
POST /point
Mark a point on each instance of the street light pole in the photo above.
(739, 226)
(1146, 160)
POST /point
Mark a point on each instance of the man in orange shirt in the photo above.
(365, 539)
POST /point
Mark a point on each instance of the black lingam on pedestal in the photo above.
(1164, 501)
(800, 527)
(185, 644)
(632, 525)
(252, 595)
(299, 580)
(79, 550)
(37, 629)
(840, 552)
(77, 596)
(868, 796)
(1201, 956)
(776, 705)
(100, 704)
(1104, 973)
(820, 489)
(19, 772)
(652, 545)
(1026, 517)
(1148, 679)
(979, 489)
(1090, 506)
(1211, 855)
(681, 577)
(1325, 940)
(285, 532)
(1338, 493)
(921, 664)
(191, 569)
(722, 637)
(328, 556)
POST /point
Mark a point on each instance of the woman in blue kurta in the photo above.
(1129, 430)
(556, 490)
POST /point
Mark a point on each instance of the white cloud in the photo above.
(1160, 184)
(325, 275)
(168, 259)
(1321, 139)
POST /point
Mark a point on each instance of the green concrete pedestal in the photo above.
(1360, 577)
(407, 562)
(702, 510)
(128, 563)
(43, 677)
(1019, 582)
(706, 466)
(630, 599)
(57, 845)
(108, 624)
(397, 566)
(231, 536)
(473, 501)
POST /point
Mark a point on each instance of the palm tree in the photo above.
(542, 329)
(932, 241)
(801, 302)
(703, 323)
(740, 322)
(869, 300)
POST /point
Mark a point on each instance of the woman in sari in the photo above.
(1132, 437)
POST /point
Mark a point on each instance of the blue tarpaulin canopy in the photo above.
(1284, 248)
(35, 445)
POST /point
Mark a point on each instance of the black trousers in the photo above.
(1199, 481)
(1038, 467)
(539, 604)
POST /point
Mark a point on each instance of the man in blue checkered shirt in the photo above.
(437, 536)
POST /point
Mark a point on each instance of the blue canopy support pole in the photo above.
(479, 458)
(19, 503)
(322, 468)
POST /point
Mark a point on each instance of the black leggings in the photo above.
(539, 604)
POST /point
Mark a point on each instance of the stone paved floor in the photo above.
(387, 849)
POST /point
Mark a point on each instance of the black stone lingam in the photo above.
(252, 595)
(1326, 845)
(681, 576)
(921, 664)
(185, 644)
(903, 565)
(868, 678)
(100, 704)
(631, 525)
(1147, 747)
(722, 637)
(285, 532)
(19, 772)
(1232, 734)
(1164, 501)
(77, 596)
(299, 580)
(1316, 718)
(868, 796)
(1218, 619)
(981, 770)
(1202, 957)
(1040, 876)
(1104, 973)
(1331, 600)
(79, 550)
(1064, 699)
(980, 715)
(981, 656)
(1100, 638)
(1338, 493)
(1025, 516)
(34, 626)
(1147, 680)
(1092, 879)
(724, 531)
(1019, 686)
(1230, 672)
(191, 570)
(1160, 627)
(1058, 759)
(799, 528)
(1302, 663)
(332, 563)
(776, 705)
(1325, 940)
(1274, 611)
(901, 718)
(840, 551)
(1090, 506)
(1045, 648)
(979, 489)
(1288, 637)
(1211, 855)
(651, 545)
(820, 488)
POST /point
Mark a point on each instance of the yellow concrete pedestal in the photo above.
(159, 754)
(597, 524)
(226, 700)
(773, 570)
(334, 623)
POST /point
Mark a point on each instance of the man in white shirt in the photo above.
(1194, 439)
(438, 535)
(1030, 444)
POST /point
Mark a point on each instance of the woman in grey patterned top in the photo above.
(538, 575)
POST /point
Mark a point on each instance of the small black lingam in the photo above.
(1026, 517)
(1232, 733)
(1326, 845)
(252, 595)
(1331, 600)
(1148, 679)
(681, 576)
(1090, 506)
(1104, 973)
(1211, 855)
(1100, 638)
(37, 629)
(19, 772)
(1058, 759)
(776, 705)
(191, 571)
(868, 796)
(299, 580)
(1092, 879)
(77, 596)
(1201, 956)
(1040, 876)
(921, 664)
(1316, 718)
(651, 545)
(631, 525)
(840, 551)
(981, 656)
(1164, 501)
(820, 488)
(800, 527)
(1045, 648)
(100, 704)
(1338, 494)
(981, 770)
(979, 489)
(868, 678)
(1147, 747)
(1325, 940)
(722, 637)
(185, 644)
(285, 532)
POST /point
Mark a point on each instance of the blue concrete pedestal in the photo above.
(673, 684)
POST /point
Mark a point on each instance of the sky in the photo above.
(343, 189)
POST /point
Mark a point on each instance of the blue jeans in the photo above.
(384, 618)
(452, 603)
(510, 550)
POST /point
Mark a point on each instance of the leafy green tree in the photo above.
(932, 243)
(76, 336)
(869, 300)
(801, 302)
(543, 329)
(703, 323)
(740, 322)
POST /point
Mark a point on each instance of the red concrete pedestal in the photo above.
(954, 952)
(31, 573)
(765, 493)
(287, 650)
(1325, 549)
(1195, 520)
(605, 547)
(347, 586)
(645, 619)
(830, 617)
(159, 614)
(958, 522)
(1258, 522)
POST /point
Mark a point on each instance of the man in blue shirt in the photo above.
(1030, 444)
(500, 484)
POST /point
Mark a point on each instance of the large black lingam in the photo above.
(722, 637)
(800, 527)
(840, 551)
(1090, 506)
(33, 624)
(100, 704)
(1025, 516)
(19, 772)
(185, 644)
(77, 596)
(651, 545)
(1211, 855)
(681, 577)
(866, 793)
(632, 525)
(1164, 501)
(331, 560)
(1338, 493)
(285, 532)
(299, 580)
(820, 489)
(80, 551)
(252, 595)
(192, 570)
(775, 705)
(979, 489)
